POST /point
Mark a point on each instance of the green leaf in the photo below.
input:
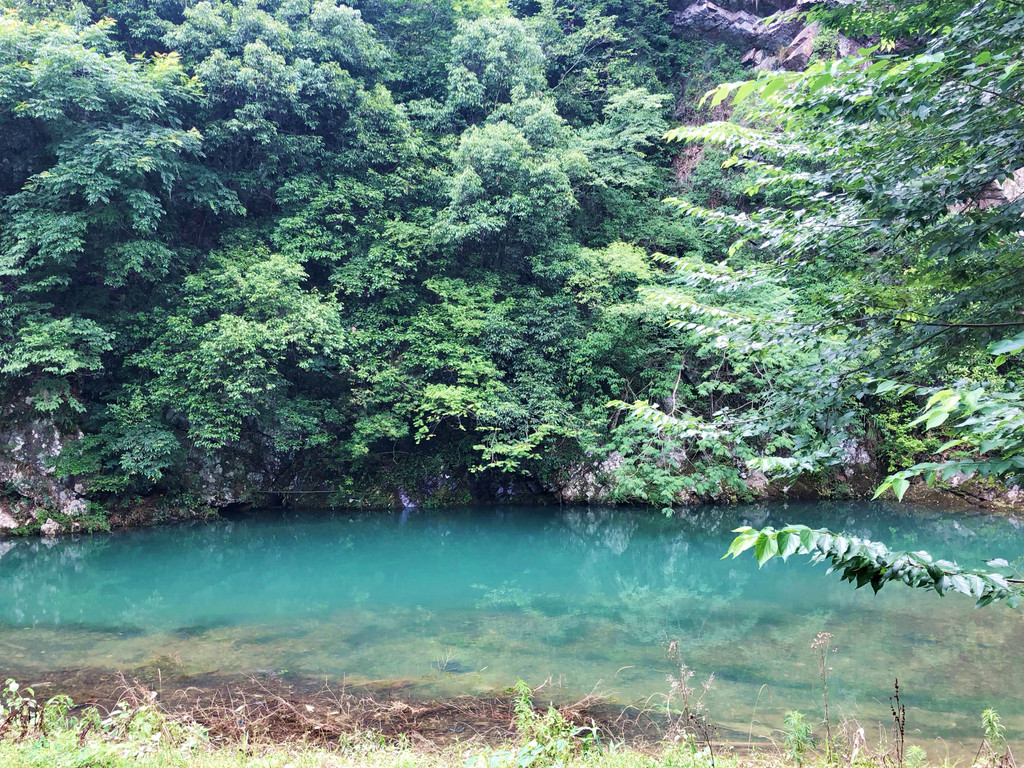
(1007, 346)
(765, 548)
(788, 543)
(808, 539)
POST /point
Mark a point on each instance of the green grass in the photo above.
(64, 747)
(137, 734)
(64, 750)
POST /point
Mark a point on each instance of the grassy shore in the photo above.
(263, 731)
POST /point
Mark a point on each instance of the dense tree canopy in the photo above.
(340, 241)
(334, 235)
(890, 202)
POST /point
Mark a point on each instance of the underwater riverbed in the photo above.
(465, 601)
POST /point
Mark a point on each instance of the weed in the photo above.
(995, 731)
(549, 740)
(899, 724)
(916, 757)
(798, 737)
(20, 714)
(994, 746)
(822, 647)
(694, 721)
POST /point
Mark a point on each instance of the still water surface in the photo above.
(468, 600)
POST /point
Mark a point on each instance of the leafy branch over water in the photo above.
(871, 562)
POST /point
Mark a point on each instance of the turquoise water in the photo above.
(466, 601)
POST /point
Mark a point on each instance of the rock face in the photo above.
(773, 32)
(798, 54)
(7, 521)
(27, 449)
(1006, 191)
(763, 26)
(588, 483)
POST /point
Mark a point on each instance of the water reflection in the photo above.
(590, 596)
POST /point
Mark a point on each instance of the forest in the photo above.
(440, 251)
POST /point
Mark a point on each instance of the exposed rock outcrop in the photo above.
(7, 521)
(798, 54)
(764, 26)
(775, 34)
(588, 483)
(28, 446)
(1006, 191)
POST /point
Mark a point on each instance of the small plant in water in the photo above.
(446, 661)
(995, 731)
(798, 736)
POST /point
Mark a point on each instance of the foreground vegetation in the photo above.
(136, 732)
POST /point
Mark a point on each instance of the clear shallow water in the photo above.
(466, 601)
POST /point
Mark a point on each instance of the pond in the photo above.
(465, 601)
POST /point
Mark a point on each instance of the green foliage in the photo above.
(797, 737)
(317, 235)
(895, 165)
(870, 562)
(916, 757)
(242, 327)
(492, 58)
(995, 731)
(826, 45)
(549, 741)
(988, 429)
(22, 715)
(900, 444)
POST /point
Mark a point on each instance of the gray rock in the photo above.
(6, 521)
(798, 54)
(51, 527)
(28, 445)
(708, 21)
(753, 57)
(588, 483)
(848, 47)
(855, 454)
(757, 482)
